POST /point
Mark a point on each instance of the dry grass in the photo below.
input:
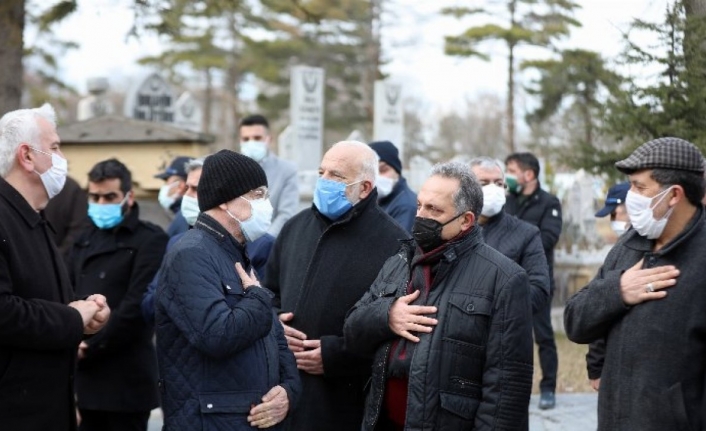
(572, 367)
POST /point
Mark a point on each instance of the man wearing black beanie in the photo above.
(394, 195)
(222, 352)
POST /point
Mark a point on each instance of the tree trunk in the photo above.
(511, 100)
(372, 70)
(695, 7)
(207, 101)
(12, 22)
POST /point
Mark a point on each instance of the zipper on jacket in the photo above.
(378, 402)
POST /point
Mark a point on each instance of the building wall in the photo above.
(144, 160)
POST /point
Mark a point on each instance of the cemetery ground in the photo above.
(572, 377)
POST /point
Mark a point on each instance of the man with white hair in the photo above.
(324, 259)
(40, 326)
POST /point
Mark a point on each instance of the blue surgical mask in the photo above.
(106, 216)
(330, 198)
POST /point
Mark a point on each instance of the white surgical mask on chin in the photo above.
(53, 178)
(619, 227)
(190, 209)
(493, 200)
(259, 221)
(384, 186)
(640, 211)
(256, 150)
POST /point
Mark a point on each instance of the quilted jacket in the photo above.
(220, 347)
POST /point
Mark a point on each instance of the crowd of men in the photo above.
(374, 309)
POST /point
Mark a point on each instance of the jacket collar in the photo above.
(212, 228)
(19, 204)
(353, 213)
(640, 243)
(496, 219)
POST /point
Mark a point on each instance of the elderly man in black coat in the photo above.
(323, 261)
(40, 326)
(449, 321)
(516, 239)
(117, 256)
(648, 298)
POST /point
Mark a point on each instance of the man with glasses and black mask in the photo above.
(449, 322)
(223, 358)
(323, 261)
(40, 324)
(648, 299)
(117, 256)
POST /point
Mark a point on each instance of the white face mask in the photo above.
(619, 227)
(384, 186)
(640, 211)
(493, 200)
(256, 150)
(54, 178)
(190, 209)
(259, 221)
(165, 200)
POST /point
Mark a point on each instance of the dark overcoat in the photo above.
(39, 334)
(318, 270)
(119, 372)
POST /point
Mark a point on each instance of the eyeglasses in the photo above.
(258, 193)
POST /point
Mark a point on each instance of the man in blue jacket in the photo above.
(223, 359)
(394, 195)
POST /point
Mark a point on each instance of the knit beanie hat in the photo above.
(388, 153)
(227, 175)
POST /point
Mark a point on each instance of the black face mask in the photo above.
(427, 232)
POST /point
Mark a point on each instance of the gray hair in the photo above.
(370, 160)
(469, 196)
(488, 163)
(194, 164)
(21, 126)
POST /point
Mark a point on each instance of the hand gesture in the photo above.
(310, 360)
(295, 339)
(405, 318)
(102, 315)
(272, 410)
(639, 285)
(87, 309)
(247, 280)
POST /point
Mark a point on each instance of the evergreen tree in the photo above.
(522, 22)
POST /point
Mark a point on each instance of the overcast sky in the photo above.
(413, 44)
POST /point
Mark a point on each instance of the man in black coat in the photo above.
(648, 298)
(527, 201)
(116, 378)
(450, 322)
(323, 261)
(40, 326)
(518, 240)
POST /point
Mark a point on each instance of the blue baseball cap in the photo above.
(616, 196)
(176, 167)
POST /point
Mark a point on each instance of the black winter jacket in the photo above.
(544, 211)
(522, 243)
(119, 370)
(318, 270)
(39, 334)
(220, 346)
(474, 370)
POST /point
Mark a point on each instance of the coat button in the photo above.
(470, 307)
(101, 275)
(209, 406)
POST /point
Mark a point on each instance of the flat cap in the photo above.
(664, 153)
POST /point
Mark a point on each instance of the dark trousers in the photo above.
(544, 338)
(97, 420)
